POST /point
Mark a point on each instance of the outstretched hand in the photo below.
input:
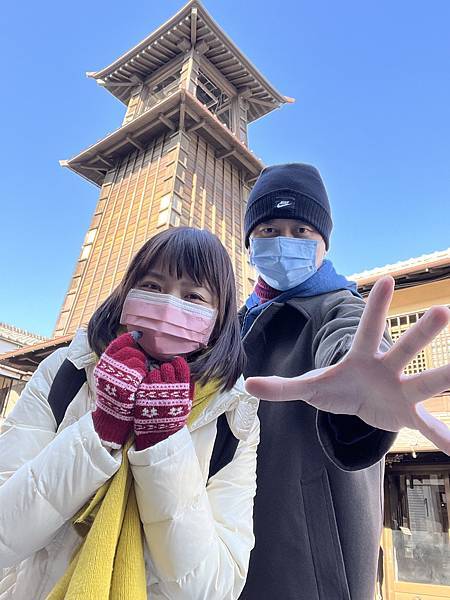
(371, 384)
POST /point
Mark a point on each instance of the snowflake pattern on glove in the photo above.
(117, 375)
(163, 403)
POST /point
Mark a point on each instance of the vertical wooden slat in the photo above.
(133, 247)
(69, 328)
(116, 270)
(104, 287)
(194, 183)
(152, 199)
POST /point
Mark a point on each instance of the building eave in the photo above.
(28, 358)
(116, 144)
(414, 271)
(19, 336)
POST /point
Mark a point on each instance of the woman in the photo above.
(179, 293)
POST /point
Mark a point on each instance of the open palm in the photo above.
(371, 384)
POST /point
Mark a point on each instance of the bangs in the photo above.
(188, 252)
(199, 255)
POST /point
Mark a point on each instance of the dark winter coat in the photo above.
(319, 500)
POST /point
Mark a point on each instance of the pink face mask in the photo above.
(169, 326)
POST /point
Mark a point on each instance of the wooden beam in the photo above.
(183, 45)
(262, 102)
(193, 26)
(166, 121)
(164, 41)
(105, 161)
(164, 50)
(183, 27)
(162, 56)
(182, 116)
(139, 68)
(225, 153)
(218, 51)
(201, 47)
(164, 70)
(149, 56)
(136, 79)
(228, 62)
(88, 168)
(243, 79)
(135, 143)
(223, 108)
(145, 60)
(196, 126)
(104, 83)
(245, 92)
(202, 31)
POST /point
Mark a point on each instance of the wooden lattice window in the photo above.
(435, 354)
(215, 100)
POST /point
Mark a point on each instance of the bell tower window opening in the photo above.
(215, 100)
(158, 91)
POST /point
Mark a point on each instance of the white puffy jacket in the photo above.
(198, 534)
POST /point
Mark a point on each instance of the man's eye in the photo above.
(268, 230)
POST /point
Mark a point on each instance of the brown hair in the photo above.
(199, 254)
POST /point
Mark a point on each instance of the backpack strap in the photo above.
(68, 382)
(66, 385)
(225, 446)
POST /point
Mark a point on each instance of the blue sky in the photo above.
(372, 88)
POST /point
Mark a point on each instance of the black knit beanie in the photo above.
(290, 191)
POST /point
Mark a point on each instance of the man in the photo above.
(319, 502)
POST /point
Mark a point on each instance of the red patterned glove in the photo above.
(163, 403)
(118, 373)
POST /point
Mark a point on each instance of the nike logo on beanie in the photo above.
(284, 203)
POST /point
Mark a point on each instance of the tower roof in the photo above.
(94, 162)
(190, 27)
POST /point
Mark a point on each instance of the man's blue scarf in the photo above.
(324, 280)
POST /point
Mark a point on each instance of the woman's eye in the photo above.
(194, 296)
(149, 285)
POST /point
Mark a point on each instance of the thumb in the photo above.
(433, 429)
(279, 389)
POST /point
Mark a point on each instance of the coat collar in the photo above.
(241, 408)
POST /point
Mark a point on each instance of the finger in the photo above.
(280, 389)
(434, 430)
(167, 373)
(422, 386)
(373, 321)
(417, 337)
(181, 369)
(125, 340)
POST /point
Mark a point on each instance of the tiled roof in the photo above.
(426, 261)
(19, 336)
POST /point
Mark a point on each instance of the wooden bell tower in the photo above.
(180, 156)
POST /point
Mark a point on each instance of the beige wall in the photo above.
(420, 297)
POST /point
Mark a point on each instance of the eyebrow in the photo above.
(154, 274)
(298, 224)
(190, 283)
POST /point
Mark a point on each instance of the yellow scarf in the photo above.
(109, 565)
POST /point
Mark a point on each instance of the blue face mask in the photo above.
(283, 262)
